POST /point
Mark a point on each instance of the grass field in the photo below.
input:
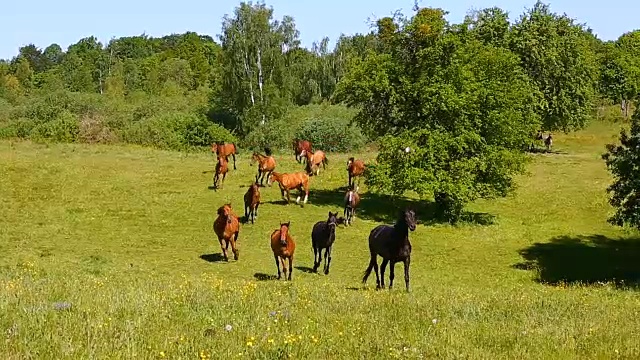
(108, 252)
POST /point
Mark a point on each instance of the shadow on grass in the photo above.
(264, 277)
(305, 269)
(385, 208)
(585, 260)
(213, 258)
(542, 150)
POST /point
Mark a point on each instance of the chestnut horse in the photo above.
(222, 167)
(222, 149)
(252, 201)
(315, 159)
(283, 247)
(266, 165)
(288, 182)
(227, 227)
(351, 202)
(355, 168)
(299, 146)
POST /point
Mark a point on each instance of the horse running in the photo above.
(351, 202)
(548, 142)
(222, 168)
(251, 202)
(227, 227)
(314, 160)
(355, 168)
(323, 235)
(283, 247)
(392, 243)
(299, 146)
(288, 182)
(222, 149)
(266, 165)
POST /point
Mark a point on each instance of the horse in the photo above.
(283, 247)
(222, 168)
(287, 182)
(323, 235)
(227, 228)
(315, 159)
(355, 168)
(392, 243)
(351, 202)
(548, 142)
(222, 149)
(252, 201)
(266, 165)
(299, 146)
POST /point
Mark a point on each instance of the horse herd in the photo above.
(389, 242)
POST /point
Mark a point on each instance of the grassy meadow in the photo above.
(107, 252)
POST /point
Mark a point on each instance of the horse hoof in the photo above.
(326, 272)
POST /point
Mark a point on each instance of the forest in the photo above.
(467, 97)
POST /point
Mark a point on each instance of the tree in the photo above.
(464, 109)
(623, 161)
(557, 55)
(620, 70)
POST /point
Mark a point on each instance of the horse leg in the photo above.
(284, 267)
(234, 161)
(255, 211)
(246, 211)
(282, 193)
(383, 268)
(224, 176)
(327, 258)
(288, 197)
(375, 268)
(316, 263)
(224, 250)
(392, 267)
(277, 265)
(349, 180)
(407, 261)
(234, 248)
(290, 267)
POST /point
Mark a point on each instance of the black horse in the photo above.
(322, 237)
(392, 243)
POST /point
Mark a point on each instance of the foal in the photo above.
(252, 201)
(227, 228)
(351, 202)
(222, 167)
(283, 247)
(392, 244)
(222, 149)
(266, 165)
(314, 160)
(323, 235)
(355, 168)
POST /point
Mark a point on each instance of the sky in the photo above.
(43, 22)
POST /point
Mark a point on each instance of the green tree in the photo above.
(465, 110)
(623, 161)
(556, 54)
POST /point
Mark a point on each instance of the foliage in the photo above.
(332, 134)
(623, 161)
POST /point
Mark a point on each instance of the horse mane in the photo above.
(267, 151)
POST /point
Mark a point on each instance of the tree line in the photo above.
(465, 98)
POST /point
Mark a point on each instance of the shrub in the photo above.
(330, 134)
(277, 134)
(64, 128)
(93, 130)
(17, 128)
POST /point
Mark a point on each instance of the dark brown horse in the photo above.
(355, 168)
(227, 228)
(548, 142)
(288, 182)
(323, 235)
(222, 168)
(266, 165)
(392, 244)
(299, 146)
(314, 160)
(283, 247)
(252, 201)
(351, 202)
(222, 149)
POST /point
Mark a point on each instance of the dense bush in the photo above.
(331, 134)
(64, 128)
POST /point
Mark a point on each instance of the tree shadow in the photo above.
(585, 260)
(305, 269)
(264, 277)
(213, 258)
(385, 208)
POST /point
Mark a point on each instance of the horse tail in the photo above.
(369, 268)
(325, 161)
(235, 148)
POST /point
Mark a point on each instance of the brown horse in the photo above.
(222, 149)
(314, 160)
(252, 201)
(222, 168)
(299, 146)
(227, 227)
(288, 182)
(266, 165)
(351, 202)
(283, 247)
(355, 168)
(548, 141)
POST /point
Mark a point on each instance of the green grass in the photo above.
(118, 232)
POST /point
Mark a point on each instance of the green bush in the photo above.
(276, 134)
(330, 134)
(17, 128)
(64, 128)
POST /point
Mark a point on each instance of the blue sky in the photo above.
(64, 22)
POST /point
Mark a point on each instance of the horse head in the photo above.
(272, 178)
(254, 158)
(284, 232)
(408, 216)
(333, 219)
(349, 162)
(224, 211)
